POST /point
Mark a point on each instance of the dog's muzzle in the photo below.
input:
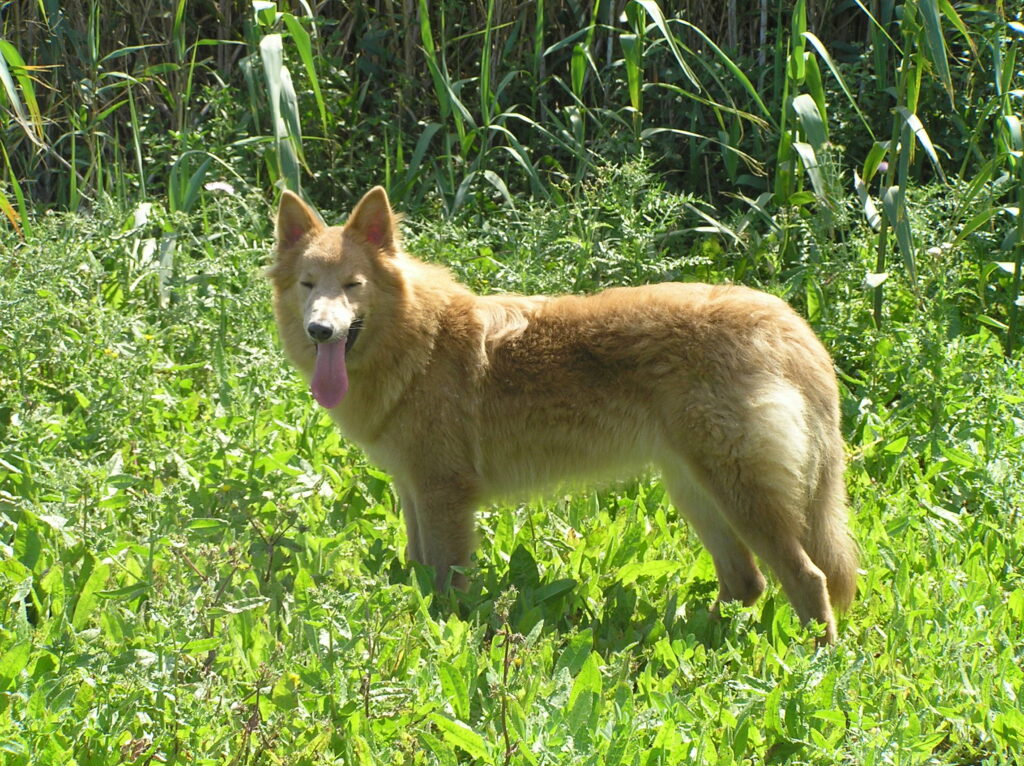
(322, 333)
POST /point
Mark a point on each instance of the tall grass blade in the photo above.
(654, 11)
(1014, 133)
(519, 153)
(22, 214)
(578, 69)
(441, 87)
(734, 69)
(290, 113)
(954, 18)
(1018, 265)
(272, 55)
(495, 180)
(895, 209)
(31, 120)
(137, 141)
(914, 123)
(487, 100)
(967, 200)
(880, 28)
(178, 30)
(753, 164)
(181, 191)
(12, 215)
(537, 68)
(874, 159)
(823, 52)
(413, 168)
(867, 204)
(631, 56)
(809, 159)
(304, 45)
(714, 225)
(812, 121)
(935, 44)
(797, 64)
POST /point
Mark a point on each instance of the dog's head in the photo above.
(327, 282)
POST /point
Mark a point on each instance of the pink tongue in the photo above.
(330, 380)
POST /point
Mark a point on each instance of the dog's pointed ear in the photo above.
(373, 219)
(295, 221)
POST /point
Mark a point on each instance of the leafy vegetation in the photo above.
(197, 568)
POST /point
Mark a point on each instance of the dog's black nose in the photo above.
(319, 332)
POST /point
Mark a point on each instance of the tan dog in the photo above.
(466, 398)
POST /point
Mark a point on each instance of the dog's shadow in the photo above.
(516, 600)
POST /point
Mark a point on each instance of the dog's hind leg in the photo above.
(762, 517)
(759, 460)
(739, 579)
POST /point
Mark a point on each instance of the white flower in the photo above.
(219, 186)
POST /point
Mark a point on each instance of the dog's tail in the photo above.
(828, 540)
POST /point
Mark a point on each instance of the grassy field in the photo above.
(200, 569)
(197, 568)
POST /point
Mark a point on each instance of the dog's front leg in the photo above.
(444, 527)
(413, 552)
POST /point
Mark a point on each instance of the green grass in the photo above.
(197, 568)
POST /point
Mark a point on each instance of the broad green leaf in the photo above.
(127, 593)
(554, 590)
(896, 446)
(585, 695)
(28, 542)
(12, 662)
(578, 68)
(459, 734)
(89, 595)
(874, 159)
(201, 645)
(207, 523)
(455, 688)
(657, 569)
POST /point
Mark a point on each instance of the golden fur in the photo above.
(464, 398)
